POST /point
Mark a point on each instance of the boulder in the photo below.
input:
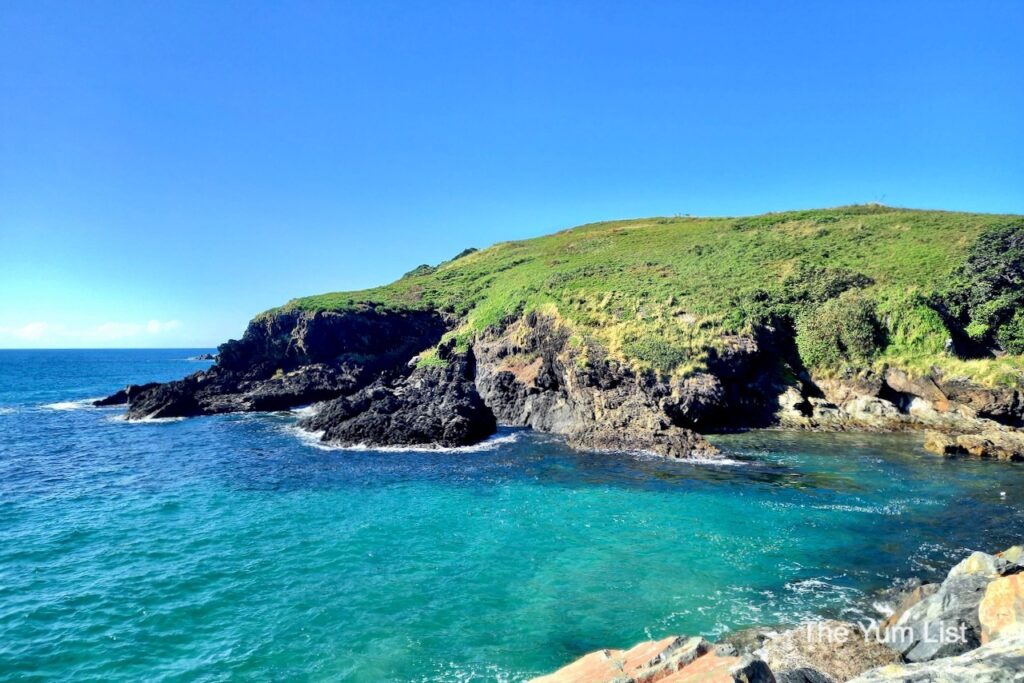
(834, 649)
(645, 662)
(1001, 444)
(1001, 611)
(803, 675)
(940, 444)
(713, 668)
(945, 623)
(999, 661)
(909, 600)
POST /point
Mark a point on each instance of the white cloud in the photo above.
(156, 327)
(40, 333)
(31, 331)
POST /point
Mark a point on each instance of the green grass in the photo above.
(659, 292)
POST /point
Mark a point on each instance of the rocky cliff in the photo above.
(530, 371)
(640, 335)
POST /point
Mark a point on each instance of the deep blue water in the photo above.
(232, 548)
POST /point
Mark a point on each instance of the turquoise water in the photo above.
(230, 548)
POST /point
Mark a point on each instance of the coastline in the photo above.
(968, 628)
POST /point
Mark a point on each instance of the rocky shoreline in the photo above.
(968, 628)
(383, 378)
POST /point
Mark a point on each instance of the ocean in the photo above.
(235, 547)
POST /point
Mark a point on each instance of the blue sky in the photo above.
(169, 169)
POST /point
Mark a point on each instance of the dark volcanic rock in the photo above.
(120, 398)
(289, 359)
(529, 375)
(432, 405)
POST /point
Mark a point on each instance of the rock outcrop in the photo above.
(289, 359)
(1001, 611)
(671, 660)
(433, 405)
(1001, 661)
(530, 375)
(532, 371)
(1002, 444)
(946, 622)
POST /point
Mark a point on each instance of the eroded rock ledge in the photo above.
(530, 372)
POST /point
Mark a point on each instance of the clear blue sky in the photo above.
(168, 169)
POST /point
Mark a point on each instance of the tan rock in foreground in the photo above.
(645, 662)
(1002, 609)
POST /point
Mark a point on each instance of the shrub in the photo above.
(841, 330)
(660, 355)
(1011, 334)
(912, 326)
(986, 293)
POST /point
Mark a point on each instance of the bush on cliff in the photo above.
(986, 294)
(841, 330)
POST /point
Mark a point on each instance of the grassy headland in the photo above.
(857, 285)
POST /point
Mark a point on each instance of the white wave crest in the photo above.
(80, 404)
(314, 439)
(7, 411)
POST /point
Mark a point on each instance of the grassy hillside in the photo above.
(659, 292)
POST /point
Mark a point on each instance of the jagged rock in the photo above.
(946, 623)
(434, 405)
(647, 661)
(1000, 661)
(204, 356)
(909, 600)
(1004, 445)
(1001, 611)
(941, 444)
(529, 375)
(802, 675)
(999, 404)
(714, 668)
(834, 649)
(748, 640)
(292, 358)
(122, 397)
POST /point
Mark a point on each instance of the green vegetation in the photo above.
(841, 330)
(870, 281)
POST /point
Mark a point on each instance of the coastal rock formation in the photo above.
(946, 622)
(1001, 444)
(982, 597)
(1001, 661)
(433, 405)
(833, 650)
(1001, 611)
(670, 660)
(289, 359)
(530, 376)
